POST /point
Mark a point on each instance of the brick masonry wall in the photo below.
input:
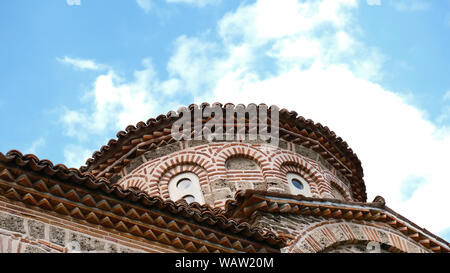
(24, 230)
(311, 234)
(266, 169)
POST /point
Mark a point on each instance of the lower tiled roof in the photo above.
(246, 202)
(69, 192)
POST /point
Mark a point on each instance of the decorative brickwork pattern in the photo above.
(209, 163)
(153, 139)
(94, 207)
(120, 201)
(328, 234)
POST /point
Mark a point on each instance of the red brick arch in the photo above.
(310, 172)
(135, 180)
(176, 170)
(245, 150)
(195, 158)
(324, 235)
(295, 168)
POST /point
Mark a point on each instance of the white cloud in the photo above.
(321, 69)
(81, 64)
(447, 96)
(117, 103)
(305, 56)
(35, 145)
(75, 156)
(73, 2)
(445, 112)
(410, 5)
(373, 2)
(199, 3)
(146, 5)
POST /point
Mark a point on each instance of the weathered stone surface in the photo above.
(222, 194)
(219, 184)
(36, 229)
(112, 248)
(209, 199)
(413, 248)
(383, 237)
(205, 189)
(339, 235)
(33, 249)
(305, 152)
(194, 143)
(12, 222)
(259, 186)
(87, 243)
(276, 185)
(350, 248)
(284, 223)
(127, 250)
(323, 240)
(357, 231)
(241, 186)
(162, 151)
(58, 236)
(135, 163)
(115, 178)
(240, 163)
(326, 164)
(304, 247)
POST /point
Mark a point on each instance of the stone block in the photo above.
(240, 163)
(36, 229)
(58, 236)
(87, 243)
(222, 194)
(219, 184)
(305, 152)
(33, 249)
(134, 164)
(162, 151)
(12, 223)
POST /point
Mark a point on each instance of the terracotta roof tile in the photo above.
(200, 214)
(275, 202)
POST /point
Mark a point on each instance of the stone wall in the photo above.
(355, 248)
(24, 230)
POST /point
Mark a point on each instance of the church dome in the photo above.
(307, 158)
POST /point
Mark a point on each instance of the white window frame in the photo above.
(195, 190)
(306, 191)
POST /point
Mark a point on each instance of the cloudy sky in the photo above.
(74, 72)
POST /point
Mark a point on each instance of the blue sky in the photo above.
(375, 71)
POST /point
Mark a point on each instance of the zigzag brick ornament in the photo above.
(209, 179)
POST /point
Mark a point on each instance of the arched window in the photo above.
(186, 186)
(298, 184)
